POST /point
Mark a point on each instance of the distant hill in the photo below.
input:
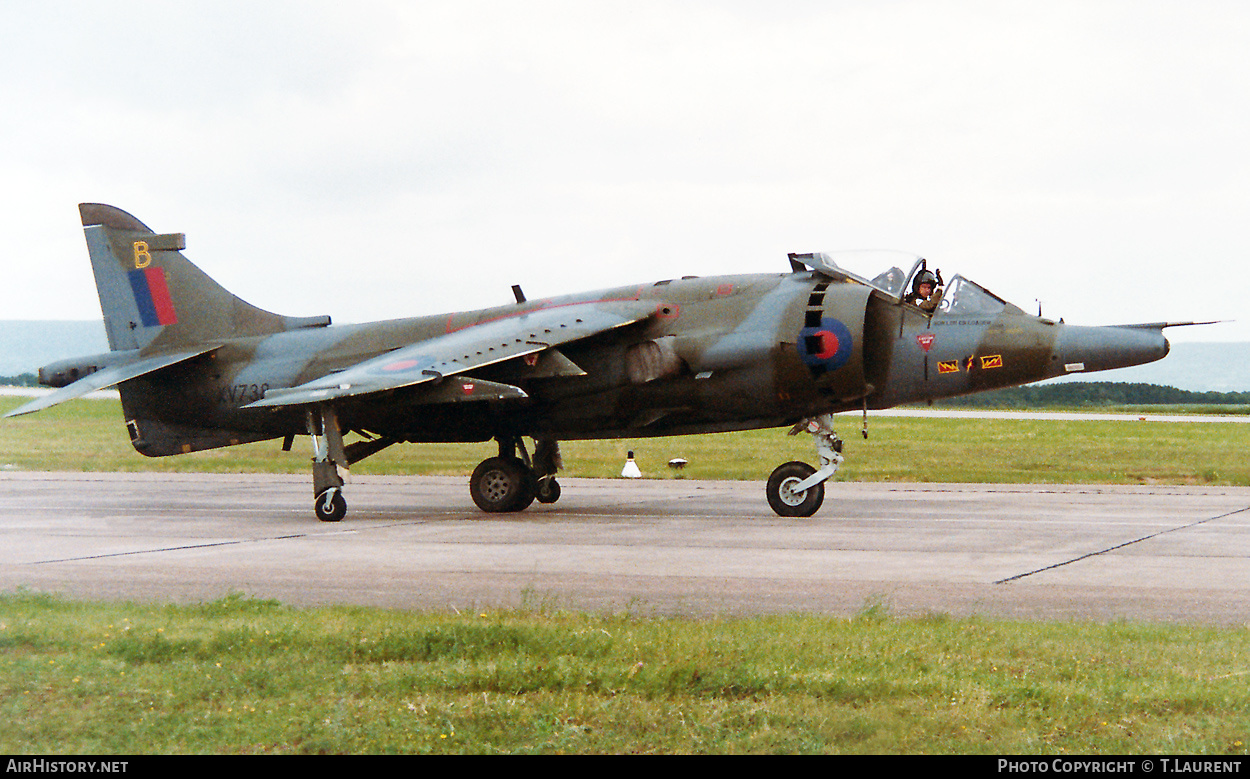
(1198, 367)
(26, 345)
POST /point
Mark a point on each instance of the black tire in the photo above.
(530, 486)
(330, 509)
(501, 484)
(784, 500)
(548, 490)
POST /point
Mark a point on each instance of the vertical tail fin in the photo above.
(154, 299)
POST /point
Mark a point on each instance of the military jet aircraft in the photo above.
(198, 368)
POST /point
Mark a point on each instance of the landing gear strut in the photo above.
(331, 459)
(511, 481)
(797, 489)
(328, 456)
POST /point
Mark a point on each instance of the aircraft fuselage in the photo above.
(199, 368)
(720, 353)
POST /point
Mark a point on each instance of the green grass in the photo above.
(88, 435)
(249, 676)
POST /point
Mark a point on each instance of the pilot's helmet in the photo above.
(923, 277)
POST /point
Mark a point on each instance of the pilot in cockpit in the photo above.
(926, 291)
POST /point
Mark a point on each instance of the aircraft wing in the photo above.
(464, 350)
(107, 377)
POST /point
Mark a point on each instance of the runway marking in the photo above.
(1121, 546)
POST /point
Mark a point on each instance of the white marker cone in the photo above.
(630, 471)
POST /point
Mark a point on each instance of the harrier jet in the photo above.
(198, 368)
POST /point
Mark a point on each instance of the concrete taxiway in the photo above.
(652, 546)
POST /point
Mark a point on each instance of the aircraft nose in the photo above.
(1080, 349)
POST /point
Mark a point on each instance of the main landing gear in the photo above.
(796, 489)
(511, 481)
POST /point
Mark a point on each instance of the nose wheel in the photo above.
(786, 498)
(796, 489)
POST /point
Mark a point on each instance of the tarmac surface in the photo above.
(651, 547)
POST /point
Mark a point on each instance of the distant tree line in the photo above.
(23, 380)
(1095, 393)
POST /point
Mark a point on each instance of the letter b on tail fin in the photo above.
(155, 299)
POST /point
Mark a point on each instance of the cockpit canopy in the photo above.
(961, 296)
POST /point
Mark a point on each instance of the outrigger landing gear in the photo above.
(510, 482)
(796, 489)
(328, 456)
(331, 459)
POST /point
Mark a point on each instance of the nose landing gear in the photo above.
(796, 489)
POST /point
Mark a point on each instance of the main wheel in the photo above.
(501, 484)
(782, 497)
(330, 506)
(548, 490)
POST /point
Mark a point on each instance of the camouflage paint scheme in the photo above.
(198, 368)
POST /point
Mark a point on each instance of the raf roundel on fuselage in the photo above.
(826, 347)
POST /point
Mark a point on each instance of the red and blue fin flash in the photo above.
(156, 307)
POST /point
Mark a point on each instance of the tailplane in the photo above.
(160, 310)
(154, 299)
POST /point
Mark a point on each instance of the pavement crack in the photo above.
(133, 552)
(211, 544)
(1088, 555)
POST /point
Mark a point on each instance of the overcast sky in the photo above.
(375, 159)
